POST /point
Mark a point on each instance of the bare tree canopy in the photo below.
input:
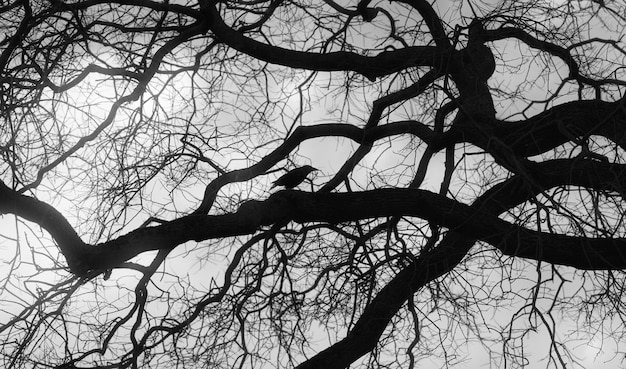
(467, 208)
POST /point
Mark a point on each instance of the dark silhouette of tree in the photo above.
(470, 197)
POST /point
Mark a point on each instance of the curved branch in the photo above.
(385, 63)
(549, 129)
(364, 136)
(510, 32)
(363, 337)
(46, 216)
(378, 108)
(432, 21)
(552, 49)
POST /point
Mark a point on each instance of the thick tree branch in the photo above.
(302, 207)
(364, 336)
(559, 124)
(512, 141)
(46, 216)
(477, 222)
(385, 63)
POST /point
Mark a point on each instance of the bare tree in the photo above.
(469, 198)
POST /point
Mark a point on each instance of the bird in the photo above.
(294, 177)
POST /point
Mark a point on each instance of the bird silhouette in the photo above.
(294, 177)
